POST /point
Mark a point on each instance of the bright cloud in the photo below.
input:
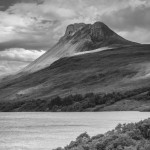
(10, 67)
(20, 54)
(12, 60)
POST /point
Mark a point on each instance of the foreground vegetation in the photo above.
(132, 136)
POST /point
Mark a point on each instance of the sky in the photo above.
(30, 27)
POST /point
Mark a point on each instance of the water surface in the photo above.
(45, 131)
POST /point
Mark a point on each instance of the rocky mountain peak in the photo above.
(73, 28)
(96, 27)
(100, 31)
(93, 35)
(96, 32)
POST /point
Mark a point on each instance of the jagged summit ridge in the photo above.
(97, 29)
(93, 36)
(100, 31)
(72, 28)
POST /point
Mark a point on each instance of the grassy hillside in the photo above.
(132, 136)
(116, 70)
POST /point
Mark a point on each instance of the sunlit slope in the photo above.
(119, 69)
(56, 52)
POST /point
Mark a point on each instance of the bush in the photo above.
(124, 137)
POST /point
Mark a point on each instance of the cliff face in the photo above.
(96, 32)
(71, 29)
(100, 32)
(93, 36)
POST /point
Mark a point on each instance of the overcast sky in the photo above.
(29, 27)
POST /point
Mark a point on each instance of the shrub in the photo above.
(124, 137)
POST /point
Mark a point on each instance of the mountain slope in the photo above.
(78, 65)
(120, 69)
(78, 38)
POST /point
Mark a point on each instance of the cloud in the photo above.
(137, 35)
(20, 54)
(12, 60)
(131, 22)
(10, 67)
(29, 25)
(129, 18)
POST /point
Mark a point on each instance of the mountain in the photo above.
(80, 37)
(78, 64)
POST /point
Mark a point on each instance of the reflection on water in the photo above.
(44, 131)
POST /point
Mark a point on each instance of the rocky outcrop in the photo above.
(99, 31)
(93, 36)
(73, 28)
